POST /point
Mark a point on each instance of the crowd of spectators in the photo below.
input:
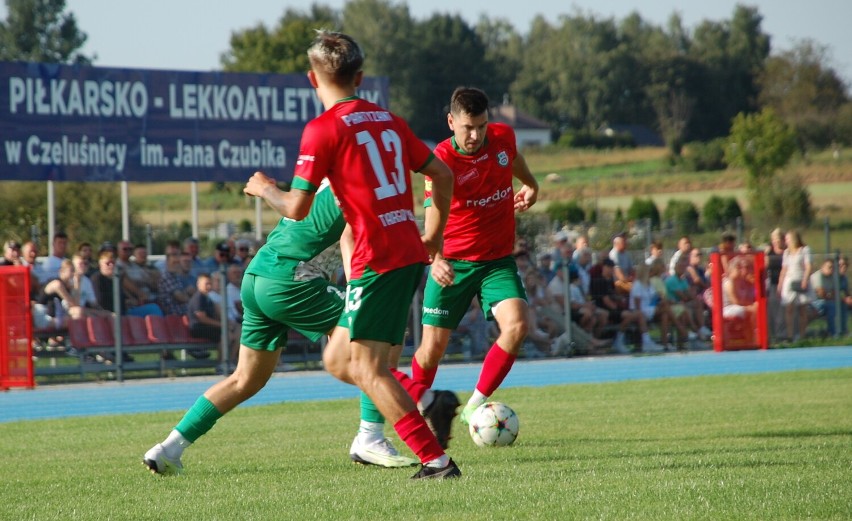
(619, 300)
(68, 285)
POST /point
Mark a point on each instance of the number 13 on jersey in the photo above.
(391, 143)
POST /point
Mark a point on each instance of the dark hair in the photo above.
(336, 56)
(608, 262)
(468, 100)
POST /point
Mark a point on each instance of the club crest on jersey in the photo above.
(503, 158)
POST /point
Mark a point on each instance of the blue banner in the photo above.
(75, 123)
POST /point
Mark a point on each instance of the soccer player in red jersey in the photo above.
(367, 153)
(478, 243)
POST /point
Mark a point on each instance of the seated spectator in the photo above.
(583, 311)
(84, 250)
(188, 280)
(657, 272)
(699, 283)
(205, 318)
(583, 262)
(822, 284)
(146, 278)
(234, 303)
(242, 255)
(623, 270)
(172, 248)
(29, 257)
(103, 284)
(737, 290)
(684, 246)
(655, 252)
(11, 254)
(845, 296)
(171, 293)
(680, 298)
(605, 296)
(51, 265)
(523, 261)
(645, 299)
(580, 243)
(545, 266)
(474, 326)
(74, 290)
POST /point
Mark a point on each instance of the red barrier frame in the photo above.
(16, 328)
(754, 331)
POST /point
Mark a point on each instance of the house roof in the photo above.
(517, 119)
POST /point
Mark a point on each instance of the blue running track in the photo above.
(178, 394)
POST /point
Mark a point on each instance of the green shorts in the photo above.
(377, 304)
(493, 281)
(271, 308)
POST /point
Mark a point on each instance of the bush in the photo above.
(566, 212)
(785, 202)
(720, 212)
(586, 139)
(709, 156)
(644, 209)
(682, 216)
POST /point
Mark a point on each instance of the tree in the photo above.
(762, 144)
(40, 31)
(569, 212)
(682, 215)
(806, 93)
(282, 49)
(720, 212)
(644, 209)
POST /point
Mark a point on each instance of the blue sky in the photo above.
(191, 34)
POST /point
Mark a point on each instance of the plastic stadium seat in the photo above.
(78, 333)
(158, 331)
(179, 325)
(100, 331)
(134, 331)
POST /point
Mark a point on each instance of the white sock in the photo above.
(476, 399)
(369, 432)
(425, 400)
(438, 463)
(174, 445)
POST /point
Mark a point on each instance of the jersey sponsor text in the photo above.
(492, 199)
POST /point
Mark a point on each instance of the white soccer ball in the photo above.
(494, 424)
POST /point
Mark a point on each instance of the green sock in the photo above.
(369, 412)
(199, 419)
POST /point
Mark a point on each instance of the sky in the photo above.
(192, 34)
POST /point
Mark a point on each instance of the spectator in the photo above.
(172, 248)
(11, 254)
(221, 256)
(657, 273)
(197, 264)
(145, 277)
(205, 318)
(583, 263)
(84, 250)
(234, 303)
(745, 247)
(135, 294)
(74, 291)
(684, 246)
(699, 283)
(774, 257)
(793, 284)
(29, 257)
(171, 293)
(51, 265)
(242, 256)
(680, 297)
(845, 296)
(581, 242)
(545, 266)
(605, 296)
(475, 327)
(103, 284)
(187, 279)
(645, 300)
(560, 246)
(522, 261)
(623, 271)
(737, 290)
(822, 285)
(726, 249)
(655, 251)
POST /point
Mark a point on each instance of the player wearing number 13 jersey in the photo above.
(478, 242)
(366, 153)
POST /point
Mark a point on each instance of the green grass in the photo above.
(770, 446)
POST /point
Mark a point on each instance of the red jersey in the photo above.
(367, 153)
(481, 225)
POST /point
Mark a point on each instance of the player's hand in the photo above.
(525, 198)
(258, 184)
(442, 272)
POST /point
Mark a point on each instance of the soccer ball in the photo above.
(494, 424)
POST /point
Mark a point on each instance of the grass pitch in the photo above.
(769, 446)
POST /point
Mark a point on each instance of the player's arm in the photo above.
(528, 194)
(295, 204)
(442, 194)
(347, 246)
